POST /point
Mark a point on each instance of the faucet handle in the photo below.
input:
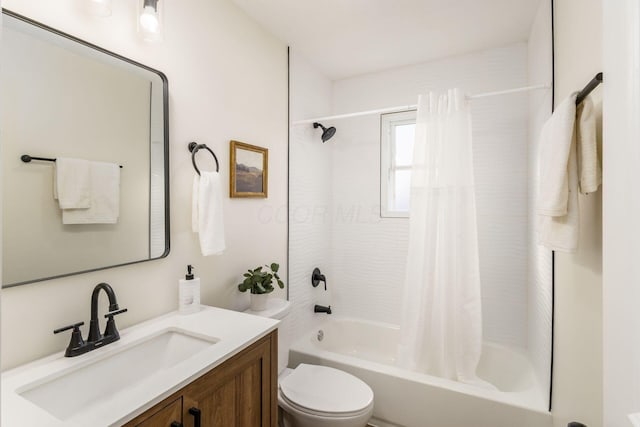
(110, 330)
(115, 313)
(76, 343)
(317, 277)
(75, 328)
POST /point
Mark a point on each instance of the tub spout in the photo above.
(321, 309)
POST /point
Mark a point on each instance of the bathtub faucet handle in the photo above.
(317, 277)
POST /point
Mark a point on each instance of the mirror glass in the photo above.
(63, 98)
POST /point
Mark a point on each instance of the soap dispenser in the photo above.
(189, 293)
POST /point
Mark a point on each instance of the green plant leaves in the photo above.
(245, 285)
(261, 282)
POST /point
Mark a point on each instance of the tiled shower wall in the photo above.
(309, 201)
(540, 259)
(335, 194)
(369, 252)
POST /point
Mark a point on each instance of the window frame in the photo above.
(388, 123)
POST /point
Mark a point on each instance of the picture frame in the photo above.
(249, 170)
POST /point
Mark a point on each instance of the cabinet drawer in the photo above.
(162, 415)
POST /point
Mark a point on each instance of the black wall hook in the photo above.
(194, 147)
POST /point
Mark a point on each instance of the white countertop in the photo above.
(235, 331)
(277, 308)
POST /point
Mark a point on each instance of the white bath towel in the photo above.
(105, 197)
(589, 167)
(556, 139)
(72, 183)
(207, 216)
(558, 195)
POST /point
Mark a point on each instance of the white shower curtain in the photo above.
(441, 329)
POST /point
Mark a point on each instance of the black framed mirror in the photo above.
(64, 98)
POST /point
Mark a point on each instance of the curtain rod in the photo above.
(413, 107)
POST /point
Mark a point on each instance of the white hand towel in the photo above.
(588, 161)
(558, 176)
(207, 216)
(72, 183)
(560, 233)
(556, 139)
(105, 197)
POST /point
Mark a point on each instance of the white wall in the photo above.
(540, 270)
(577, 370)
(227, 80)
(309, 199)
(369, 253)
(621, 204)
(57, 103)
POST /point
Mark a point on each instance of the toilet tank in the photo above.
(278, 308)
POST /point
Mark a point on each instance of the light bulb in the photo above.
(149, 20)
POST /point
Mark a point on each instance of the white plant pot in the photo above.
(259, 302)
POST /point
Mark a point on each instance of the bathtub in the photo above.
(404, 398)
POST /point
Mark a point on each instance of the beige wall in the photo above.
(577, 370)
(621, 208)
(227, 80)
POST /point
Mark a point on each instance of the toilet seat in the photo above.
(327, 392)
(324, 415)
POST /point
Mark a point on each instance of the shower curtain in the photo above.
(441, 328)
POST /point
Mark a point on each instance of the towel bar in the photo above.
(27, 159)
(589, 88)
(194, 147)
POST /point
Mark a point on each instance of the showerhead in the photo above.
(327, 133)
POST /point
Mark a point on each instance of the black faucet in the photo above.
(321, 309)
(77, 345)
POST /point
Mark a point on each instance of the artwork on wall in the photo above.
(249, 170)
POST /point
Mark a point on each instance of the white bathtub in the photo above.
(404, 398)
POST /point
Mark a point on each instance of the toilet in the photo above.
(318, 396)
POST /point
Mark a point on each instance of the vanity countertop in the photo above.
(233, 331)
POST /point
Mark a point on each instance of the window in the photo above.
(397, 132)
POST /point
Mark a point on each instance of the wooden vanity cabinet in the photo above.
(241, 392)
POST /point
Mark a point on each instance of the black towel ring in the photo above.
(194, 147)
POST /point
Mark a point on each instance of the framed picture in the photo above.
(249, 170)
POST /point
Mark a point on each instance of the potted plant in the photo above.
(260, 282)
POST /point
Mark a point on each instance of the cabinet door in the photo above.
(240, 392)
(172, 413)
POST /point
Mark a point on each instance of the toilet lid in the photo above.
(324, 389)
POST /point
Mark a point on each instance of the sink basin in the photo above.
(78, 389)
